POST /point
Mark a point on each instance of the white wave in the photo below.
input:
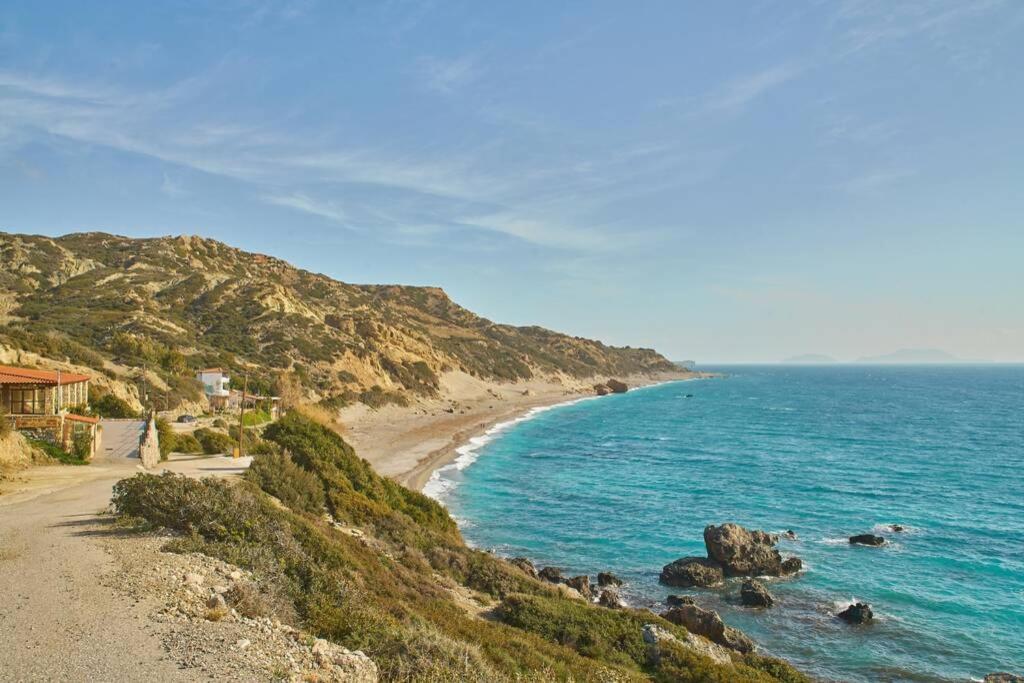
(835, 541)
(441, 483)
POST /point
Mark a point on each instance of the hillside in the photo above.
(175, 304)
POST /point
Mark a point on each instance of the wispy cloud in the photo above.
(877, 180)
(448, 75)
(736, 95)
(306, 204)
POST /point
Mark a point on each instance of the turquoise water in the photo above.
(627, 483)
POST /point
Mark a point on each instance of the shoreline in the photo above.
(409, 444)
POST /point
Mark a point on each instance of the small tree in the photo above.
(81, 444)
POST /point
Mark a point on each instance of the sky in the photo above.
(725, 182)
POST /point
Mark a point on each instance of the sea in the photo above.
(627, 483)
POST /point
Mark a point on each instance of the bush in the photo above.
(56, 452)
(279, 476)
(220, 423)
(186, 443)
(81, 444)
(214, 443)
(109, 405)
(255, 417)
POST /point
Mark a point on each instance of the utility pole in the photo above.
(241, 416)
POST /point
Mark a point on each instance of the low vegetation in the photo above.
(356, 558)
(59, 454)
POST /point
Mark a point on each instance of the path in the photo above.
(58, 622)
(121, 438)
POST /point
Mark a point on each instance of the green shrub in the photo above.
(109, 405)
(81, 444)
(255, 417)
(279, 476)
(214, 442)
(56, 452)
(186, 443)
(220, 423)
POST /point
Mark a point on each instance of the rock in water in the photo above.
(602, 389)
(754, 594)
(581, 584)
(610, 598)
(791, 565)
(707, 623)
(742, 552)
(790, 534)
(859, 613)
(608, 579)
(692, 571)
(524, 564)
(677, 600)
(1002, 677)
(896, 527)
(866, 539)
(617, 387)
(552, 574)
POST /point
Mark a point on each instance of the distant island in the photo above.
(811, 359)
(913, 356)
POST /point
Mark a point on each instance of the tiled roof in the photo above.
(81, 418)
(12, 375)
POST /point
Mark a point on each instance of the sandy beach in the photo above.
(410, 443)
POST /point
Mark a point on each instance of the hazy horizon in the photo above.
(723, 184)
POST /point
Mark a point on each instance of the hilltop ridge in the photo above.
(174, 304)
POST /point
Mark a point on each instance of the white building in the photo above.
(215, 386)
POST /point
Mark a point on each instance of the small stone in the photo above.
(242, 643)
(193, 579)
(216, 601)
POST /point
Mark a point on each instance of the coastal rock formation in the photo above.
(551, 574)
(617, 387)
(677, 600)
(687, 572)
(602, 389)
(791, 565)
(866, 539)
(790, 534)
(859, 613)
(707, 623)
(581, 584)
(654, 636)
(608, 579)
(610, 598)
(524, 564)
(754, 594)
(896, 528)
(742, 552)
(997, 677)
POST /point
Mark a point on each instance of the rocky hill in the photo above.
(174, 304)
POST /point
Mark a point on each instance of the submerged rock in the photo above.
(754, 594)
(692, 571)
(743, 552)
(608, 579)
(581, 584)
(524, 564)
(866, 539)
(859, 613)
(551, 574)
(707, 623)
(896, 528)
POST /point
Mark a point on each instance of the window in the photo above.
(27, 401)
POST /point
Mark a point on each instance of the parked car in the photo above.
(186, 419)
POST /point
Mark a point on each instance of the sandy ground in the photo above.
(408, 444)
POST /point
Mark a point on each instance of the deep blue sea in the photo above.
(627, 483)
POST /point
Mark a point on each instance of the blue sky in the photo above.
(733, 181)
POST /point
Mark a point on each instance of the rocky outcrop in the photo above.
(677, 600)
(687, 572)
(551, 575)
(707, 623)
(610, 598)
(1001, 677)
(654, 636)
(581, 584)
(867, 539)
(617, 387)
(897, 528)
(525, 565)
(859, 613)
(602, 389)
(339, 664)
(742, 552)
(608, 579)
(755, 594)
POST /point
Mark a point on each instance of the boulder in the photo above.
(617, 387)
(551, 574)
(610, 598)
(791, 565)
(692, 571)
(754, 594)
(608, 579)
(654, 636)
(581, 584)
(896, 528)
(339, 664)
(859, 613)
(866, 539)
(742, 552)
(524, 564)
(602, 389)
(677, 600)
(790, 534)
(707, 623)
(217, 601)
